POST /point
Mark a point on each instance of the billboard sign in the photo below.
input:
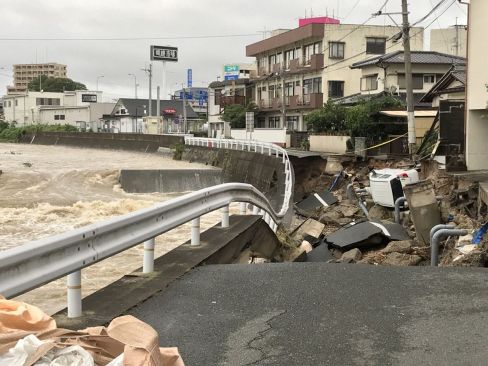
(169, 111)
(164, 53)
(189, 78)
(89, 98)
(231, 72)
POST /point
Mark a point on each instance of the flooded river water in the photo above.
(45, 190)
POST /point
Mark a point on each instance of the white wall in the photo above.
(444, 40)
(330, 144)
(274, 135)
(476, 93)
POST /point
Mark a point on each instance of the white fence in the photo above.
(257, 147)
(271, 135)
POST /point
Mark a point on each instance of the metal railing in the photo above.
(257, 147)
(36, 263)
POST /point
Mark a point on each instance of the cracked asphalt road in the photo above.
(324, 314)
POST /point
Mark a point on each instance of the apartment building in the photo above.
(25, 73)
(300, 69)
(476, 87)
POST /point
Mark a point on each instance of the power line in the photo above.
(352, 9)
(131, 38)
(387, 48)
(430, 12)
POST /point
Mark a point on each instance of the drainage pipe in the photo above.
(400, 201)
(439, 227)
(438, 236)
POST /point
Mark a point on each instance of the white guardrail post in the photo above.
(74, 294)
(242, 208)
(148, 262)
(195, 232)
(225, 216)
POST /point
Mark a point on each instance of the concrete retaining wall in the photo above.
(169, 180)
(122, 141)
(330, 144)
(264, 172)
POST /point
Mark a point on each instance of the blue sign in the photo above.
(189, 78)
(231, 77)
(200, 102)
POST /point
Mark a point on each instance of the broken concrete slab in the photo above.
(310, 227)
(393, 231)
(316, 201)
(351, 256)
(401, 259)
(320, 254)
(356, 235)
(306, 246)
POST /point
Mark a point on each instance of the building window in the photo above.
(260, 122)
(217, 94)
(336, 88)
(272, 60)
(271, 92)
(292, 123)
(16, 102)
(429, 79)
(375, 45)
(278, 91)
(369, 82)
(311, 49)
(417, 81)
(289, 89)
(58, 117)
(274, 122)
(289, 55)
(336, 50)
(48, 101)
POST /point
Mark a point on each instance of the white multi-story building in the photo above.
(80, 108)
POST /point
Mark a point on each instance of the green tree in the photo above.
(49, 84)
(363, 119)
(330, 118)
(235, 114)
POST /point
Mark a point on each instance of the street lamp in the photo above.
(98, 78)
(135, 84)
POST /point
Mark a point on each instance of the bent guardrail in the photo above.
(38, 262)
(252, 146)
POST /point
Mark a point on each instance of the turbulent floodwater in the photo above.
(46, 190)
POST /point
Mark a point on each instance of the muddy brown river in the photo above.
(45, 190)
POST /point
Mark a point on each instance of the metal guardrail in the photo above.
(254, 146)
(36, 263)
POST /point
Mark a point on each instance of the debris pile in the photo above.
(333, 225)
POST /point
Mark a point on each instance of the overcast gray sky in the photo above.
(164, 18)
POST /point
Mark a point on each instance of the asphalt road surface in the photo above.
(324, 314)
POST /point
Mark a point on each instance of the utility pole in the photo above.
(408, 79)
(149, 72)
(457, 37)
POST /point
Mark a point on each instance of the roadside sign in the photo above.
(164, 53)
(231, 72)
(200, 102)
(249, 121)
(189, 78)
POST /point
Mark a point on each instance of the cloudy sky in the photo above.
(165, 22)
